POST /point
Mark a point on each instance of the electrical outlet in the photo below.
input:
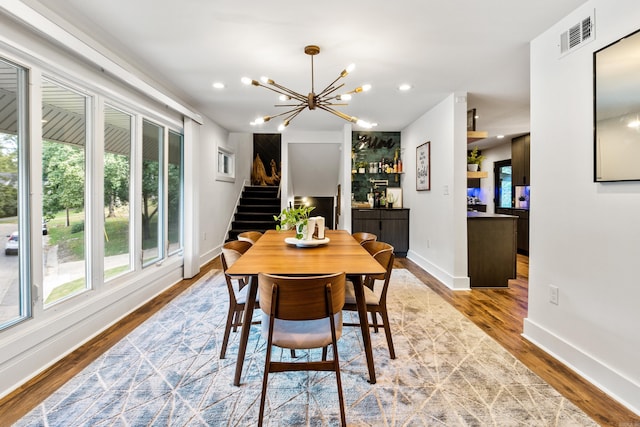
(553, 294)
(428, 243)
(204, 236)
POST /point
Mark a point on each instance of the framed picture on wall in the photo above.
(423, 167)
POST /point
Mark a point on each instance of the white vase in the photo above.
(472, 167)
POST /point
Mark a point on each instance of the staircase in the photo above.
(255, 211)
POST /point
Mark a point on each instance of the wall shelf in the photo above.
(479, 174)
(475, 135)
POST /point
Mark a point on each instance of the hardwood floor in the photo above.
(499, 312)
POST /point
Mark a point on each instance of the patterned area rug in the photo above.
(447, 373)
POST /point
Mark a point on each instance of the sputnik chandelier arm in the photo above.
(323, 101)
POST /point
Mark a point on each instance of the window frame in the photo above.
(225, 153)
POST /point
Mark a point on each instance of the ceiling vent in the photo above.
(577, 35)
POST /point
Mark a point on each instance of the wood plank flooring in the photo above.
(499, 312)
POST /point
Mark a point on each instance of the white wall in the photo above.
(438, 221)
(335, 140)
(585, 237)
(218, 199)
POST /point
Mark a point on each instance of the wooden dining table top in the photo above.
(271, 254)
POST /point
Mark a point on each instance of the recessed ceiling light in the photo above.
(218, 85)
(404, 86)
(499, 136)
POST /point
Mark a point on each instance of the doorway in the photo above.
(503, 190)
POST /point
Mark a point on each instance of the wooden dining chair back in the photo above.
(302, 313)
(374, 247)
(362, 236)
(376, 301)
(231, 251)
(250, 236)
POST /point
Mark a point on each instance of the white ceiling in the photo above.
(439, 47)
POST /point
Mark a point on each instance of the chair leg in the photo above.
(374, 321)
(227, 330)
(324, 354)
(336, 368)
(293, 354)
(387, 332)
(265, 378)
(237, 320)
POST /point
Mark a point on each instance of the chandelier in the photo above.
(325, 100)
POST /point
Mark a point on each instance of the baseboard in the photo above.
(627, 392)
(452, 282)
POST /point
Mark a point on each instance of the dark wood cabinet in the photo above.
(491, 245)
(520, 148)
(523, 227)
(390, 225)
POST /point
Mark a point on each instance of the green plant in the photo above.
(474, 158)
(291, 216)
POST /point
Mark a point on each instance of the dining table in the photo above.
(272, 254)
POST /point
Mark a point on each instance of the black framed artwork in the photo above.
(423, 167)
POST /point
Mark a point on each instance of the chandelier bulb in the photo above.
(246, 80)
(363, 123)
(283, 125)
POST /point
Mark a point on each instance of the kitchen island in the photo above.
(491, 249)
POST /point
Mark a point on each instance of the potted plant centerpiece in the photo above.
(294, 218)
(474, 159)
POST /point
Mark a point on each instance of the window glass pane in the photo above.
(13, 292)
(117, 171)
(152, 145)
(63, 180)
(174, 212)
(504, 187)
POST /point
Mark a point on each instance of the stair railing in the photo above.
(233, 214)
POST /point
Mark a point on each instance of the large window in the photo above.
(14, 292)
(64, 135)
(152, 186)
(117, 188)
(76, 228)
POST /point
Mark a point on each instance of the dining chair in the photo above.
(363, 236)
(249, 236)
(376, 301)
(231, 251)
(302, 313)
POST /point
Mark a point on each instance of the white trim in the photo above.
(606, 378)
(451, 282)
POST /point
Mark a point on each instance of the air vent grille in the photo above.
(577, 35)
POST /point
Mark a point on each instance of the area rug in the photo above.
(447, 373)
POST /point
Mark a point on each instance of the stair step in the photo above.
(255, 211)
(275, 209)
(253, 225)
(254, 216)
(258, 200)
